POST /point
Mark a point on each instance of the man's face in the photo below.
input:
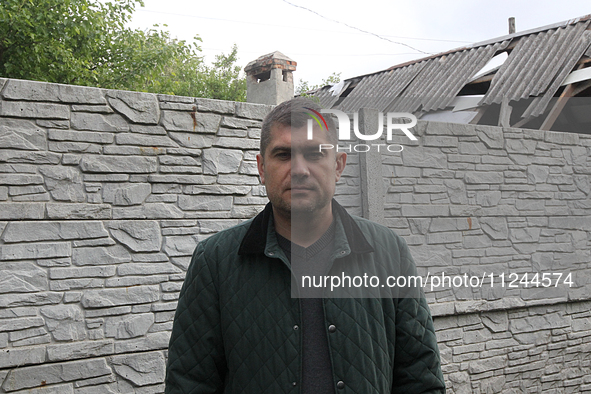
(298, 177)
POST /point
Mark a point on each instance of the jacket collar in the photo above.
(255, 239)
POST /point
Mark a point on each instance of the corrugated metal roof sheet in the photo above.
(536, 66)
(535, 62)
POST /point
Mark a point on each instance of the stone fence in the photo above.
(104, 195)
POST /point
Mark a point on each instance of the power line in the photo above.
(356, 28)
(294, 27)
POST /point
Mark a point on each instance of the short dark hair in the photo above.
(294, 113)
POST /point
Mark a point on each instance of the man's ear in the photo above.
(341, 162)
(261, 168)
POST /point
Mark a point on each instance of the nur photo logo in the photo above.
(393, 122)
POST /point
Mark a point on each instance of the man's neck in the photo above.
(303, 230)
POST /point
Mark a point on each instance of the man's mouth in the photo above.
(300, 188)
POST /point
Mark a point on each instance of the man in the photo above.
(238, 328)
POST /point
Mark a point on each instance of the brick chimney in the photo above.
(269, 79)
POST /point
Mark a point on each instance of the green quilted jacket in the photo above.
(236, 328)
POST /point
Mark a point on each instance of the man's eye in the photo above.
(283, 155)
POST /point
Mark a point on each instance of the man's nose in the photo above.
(299, 166)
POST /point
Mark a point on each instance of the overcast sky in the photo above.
(322, 46)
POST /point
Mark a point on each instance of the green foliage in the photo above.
(85, 42)
(304, 86)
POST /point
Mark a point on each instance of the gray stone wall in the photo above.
(480, 200)
(104, 195)
(103, 198)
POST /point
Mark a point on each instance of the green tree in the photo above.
(85, 42)
(304, 86)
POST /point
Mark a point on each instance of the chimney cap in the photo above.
(269, 61)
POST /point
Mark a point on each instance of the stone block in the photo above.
(146, 129)
(205, 203)
(472, 148)
(178, 161)
(236, 143)
(40, 375)
(191, 140)
(126, 194)
(86, 349)
(17, 89)
(147, 269)
(54, 124)
(24, 109)
(149, 211)
(487, 364)
(144, 140)
(491, 136)
(78, 147)
(35, 250)
(227, 132)
(223, 161)
(128, 326)
(525, 235)
(537, 174)
(100, 255)
(237, 179)
(103, 271)
(139, 236)
(190, 121)
(20, 323)
(64, 322)
(562, 138)
(22, 277)
(25, 190)
(22, 134)
(10, 358)
(101, 109)
(183, 179)
(21, 211)
(180, 245)
(444, 237)
(120, 296)
(424, 157)
(252, 111)
(9, 156)
(236, 123)
(126, 165)
(520, 146)
(20, 179)
(138, 107)
(141, 369)
(27, 333)
(155, 341)
(32, 198)
(425, 210)
(98, 122)
(141, 279)
(217, 189)
(78, 211)
(488, 198)
(440, 141)
(482, 177)
(64, 183)
(30, 299)
(80, 136)
(217, 106)
(430, 256)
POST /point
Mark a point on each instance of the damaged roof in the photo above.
(518, 93)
